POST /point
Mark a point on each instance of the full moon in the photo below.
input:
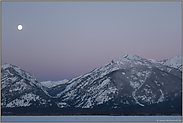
(20, 27)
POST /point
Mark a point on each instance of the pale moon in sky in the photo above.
(20, 27)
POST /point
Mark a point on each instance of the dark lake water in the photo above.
(91, 118)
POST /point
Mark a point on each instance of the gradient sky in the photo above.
(62, 40)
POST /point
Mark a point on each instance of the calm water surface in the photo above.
(91, 118)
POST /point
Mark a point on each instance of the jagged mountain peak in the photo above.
(6, 65)
(175, 62)
(20, 88)
(178, 56)
(128, 57)
(131, 56)
(129, 61)
(124, 75)
(12, 69)
(177, 59)
(127, 81)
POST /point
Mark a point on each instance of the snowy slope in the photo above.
(175, 62)
(21, 89)
(127, 83)
(51, 84)
(129, 78)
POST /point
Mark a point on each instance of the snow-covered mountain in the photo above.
(127, 85)
(128, 80)
(21, 89)
(50, 84)
(175, 62)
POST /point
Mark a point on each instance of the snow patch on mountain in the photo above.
(153, 60)
(25, 100)
(62, 104)
(51, 84)
(161, 97)
(20, 86)
(175, 62)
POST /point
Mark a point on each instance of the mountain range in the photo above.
(128, 85)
